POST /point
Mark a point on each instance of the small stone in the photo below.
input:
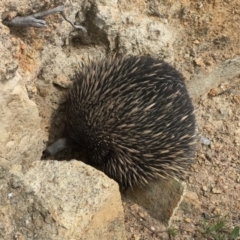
(214, 92)
(187, 220)
(236, 99)
(199, 61)
(237, 141)
(165, 21)
(205, 141)
(209, 154)
(217, 211)
(204, 188)
(10, 195)
(190, 179)
(216, 191)
(32, 90)
(238, 179)
(135, 237)
(152, 228)
(142, 215)
(192, 199)
(62, 81)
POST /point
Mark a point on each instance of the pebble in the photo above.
(31, 89)
(238, 179)
(216, 191)
(62, 81)
(141, 215)
(205, 141)
(216, 211)
(190, 180)
(199, 61)
(187, 220)
(10, 195)
(152, 228)
(135, 237)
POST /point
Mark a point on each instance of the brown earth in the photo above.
(213, 33)
(210, 35)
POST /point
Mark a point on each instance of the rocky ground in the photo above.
(206, 35)
(211, 31)
(215, 176)
(213, 35)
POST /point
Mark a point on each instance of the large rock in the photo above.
(160, 198)
(20, 141)
(60, 200)
(22, 214)
(127, 28)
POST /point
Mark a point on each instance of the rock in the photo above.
(187, 220)
(62, 81)
(204, 140)
(20, 141)
(216, 190)
(160, 198)
(199, 62)
(61, 200)
(23, 214)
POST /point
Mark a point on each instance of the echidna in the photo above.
(134, 117)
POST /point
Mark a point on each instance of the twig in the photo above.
(35, 20)
(75, 26)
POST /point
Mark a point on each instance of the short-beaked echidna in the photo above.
(134, 117)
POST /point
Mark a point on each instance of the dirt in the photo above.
(213, 35)
(215, 174)
(210, 35)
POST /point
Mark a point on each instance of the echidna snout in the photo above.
(134, 117)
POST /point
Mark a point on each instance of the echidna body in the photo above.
(134, 117)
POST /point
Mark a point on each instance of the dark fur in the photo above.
(134, 117)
